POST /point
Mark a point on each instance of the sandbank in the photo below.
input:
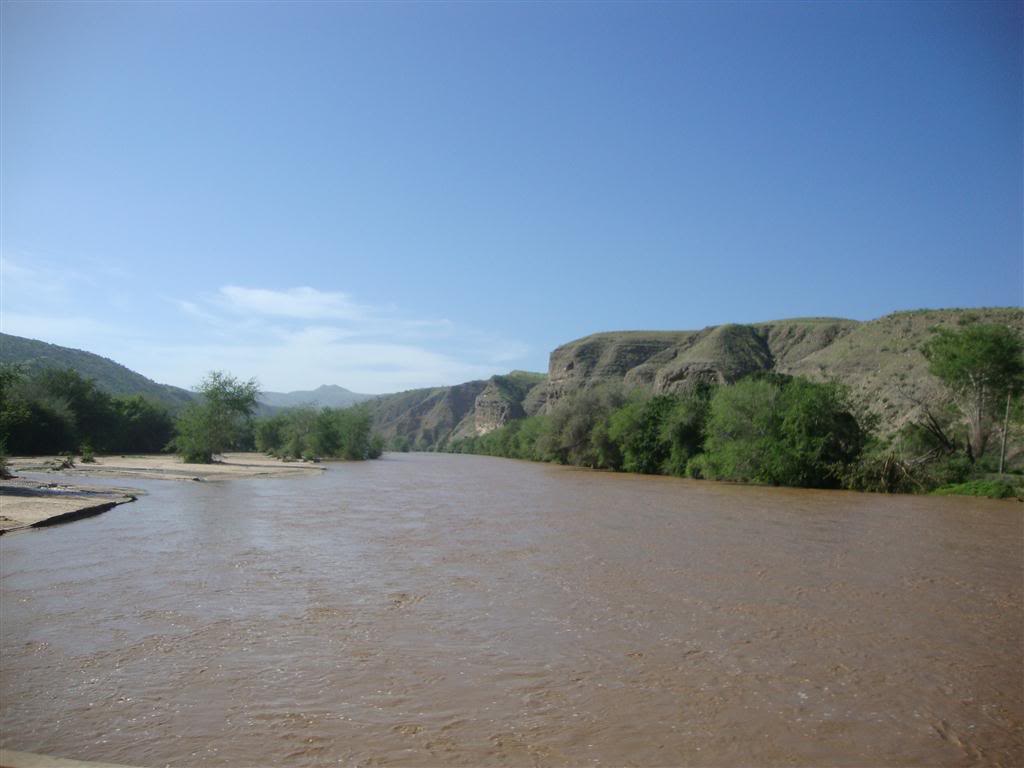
(165, 467)
(26, 503)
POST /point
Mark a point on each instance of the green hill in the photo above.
(111, 377)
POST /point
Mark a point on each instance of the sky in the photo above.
(394, 195)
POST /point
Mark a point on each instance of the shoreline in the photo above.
(35, 503)
(167, 467)
(29, 503)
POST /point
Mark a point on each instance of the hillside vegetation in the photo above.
(879, 361)
(108, 376)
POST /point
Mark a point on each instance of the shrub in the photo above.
(784, 432)
(993, 489)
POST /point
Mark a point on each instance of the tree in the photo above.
(145, 426)
(683, 428)
(982, 365)
(781, 431)
(638, 428)
(569, 430)
(219, 421)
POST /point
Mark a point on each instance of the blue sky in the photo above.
(393, 195)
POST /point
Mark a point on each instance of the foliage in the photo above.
(51, 411)
(144, 426)
(220, 421)
(568, 432)
(981, 365)
(308, 433)
(765, 429)
(35, 356)
(683, 429)
(785, 432)
(993, 489)
(637, 430)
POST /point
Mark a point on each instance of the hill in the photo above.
(427, 419)
(111, 377)
(879, 360)
(329, 395)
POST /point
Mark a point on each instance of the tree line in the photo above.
(60, 411)
(782, 430)
(53, 411)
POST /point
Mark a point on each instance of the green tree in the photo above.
(219, 421)
(143, 424)
(637, 428)
(981, 365)
(683, 428)
(780, 431)
(569, 429)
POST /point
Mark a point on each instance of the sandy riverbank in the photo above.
(28, 502)
(164, 467)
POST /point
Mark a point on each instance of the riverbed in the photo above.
(461, 610)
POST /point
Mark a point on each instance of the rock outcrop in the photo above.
(880, 361)
(427, 419)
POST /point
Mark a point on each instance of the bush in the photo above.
(781, 431)
(329, 432)
(220, 421)
(696, 467)
(993, 489)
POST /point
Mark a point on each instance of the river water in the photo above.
(460, 610)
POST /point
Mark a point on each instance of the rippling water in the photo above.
(460, 610)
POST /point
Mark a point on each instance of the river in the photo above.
(461, 610)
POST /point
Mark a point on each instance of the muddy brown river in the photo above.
(459, 610)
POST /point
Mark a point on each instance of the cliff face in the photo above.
(880, 361)
(425, 418)
(671, 361)
(430, 418)
(503, 399)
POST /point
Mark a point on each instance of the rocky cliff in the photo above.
(879, 360)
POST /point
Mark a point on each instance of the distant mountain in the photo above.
(110, 377)
(330, 395)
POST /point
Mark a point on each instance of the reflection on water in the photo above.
(461, 610)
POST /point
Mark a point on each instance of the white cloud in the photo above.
(302, 303)
(301, 337)
(297, 338)
(306, 361)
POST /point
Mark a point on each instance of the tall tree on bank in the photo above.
(219, 420)
(983, 366)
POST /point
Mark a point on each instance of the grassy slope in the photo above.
(111, 377)
(882, 363)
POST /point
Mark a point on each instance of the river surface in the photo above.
(461, 610)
